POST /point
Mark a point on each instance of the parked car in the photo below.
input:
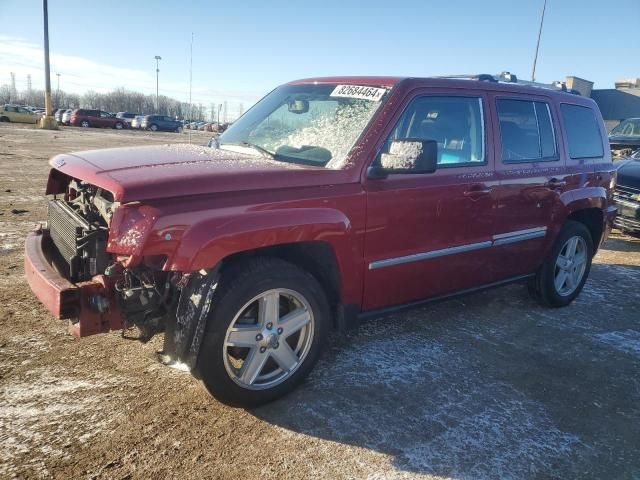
(331, 200)
(625, 137)
(627, 194)
(66, 117)
(95, 118)
(204, 127)
(57, 115)
(161, 123)
(14, 113)
(127, 116)
(137, 121)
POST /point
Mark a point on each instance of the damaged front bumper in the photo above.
(90, 305)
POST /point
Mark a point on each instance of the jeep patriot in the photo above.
(331, 200)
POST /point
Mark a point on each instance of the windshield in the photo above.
(306, 124)
(628, 128)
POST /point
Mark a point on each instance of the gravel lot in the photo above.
(487, 386)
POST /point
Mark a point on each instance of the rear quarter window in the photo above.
(583, 131)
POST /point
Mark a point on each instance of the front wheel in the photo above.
(265, 332)
(153, 128)
(84, 124)
(119, 126)
(563, 274)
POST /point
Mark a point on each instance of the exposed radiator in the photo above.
(81, 246)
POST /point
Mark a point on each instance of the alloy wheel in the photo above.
(570, 266)
(268, 339)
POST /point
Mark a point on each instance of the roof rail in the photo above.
(508, 77)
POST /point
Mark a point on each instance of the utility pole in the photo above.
(219, 108)
(47, 121)
(535, 58)
(13, 93)
(58, 91)
(190, 81)
(158, 58)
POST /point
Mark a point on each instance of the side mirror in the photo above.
(298, 106)
(410, 155)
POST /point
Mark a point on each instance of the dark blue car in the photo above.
(161, 123)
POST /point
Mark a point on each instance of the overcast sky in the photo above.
(243, 49)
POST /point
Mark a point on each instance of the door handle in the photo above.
(476, 191)
(554, 183)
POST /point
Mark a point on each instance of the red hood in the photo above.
(163, 171)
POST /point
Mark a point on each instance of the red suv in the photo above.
(331, 200)
(96, 118)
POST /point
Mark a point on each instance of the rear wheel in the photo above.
(4, 119)
(85, 124)
(563, 274)
(265, 332)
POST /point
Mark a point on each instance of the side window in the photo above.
(455, 123)
(583, 134)
(526, 131)
(104, 115)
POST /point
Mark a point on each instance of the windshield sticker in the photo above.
(359, 91)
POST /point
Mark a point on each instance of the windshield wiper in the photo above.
(258, 148)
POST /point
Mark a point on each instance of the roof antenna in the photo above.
(535, 58)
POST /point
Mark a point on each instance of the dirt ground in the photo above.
(487, 386)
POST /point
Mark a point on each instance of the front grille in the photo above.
(628, 202)
(81, 246)
(627, 194)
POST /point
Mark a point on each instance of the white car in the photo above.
(136, 122)
(66, 117)
(127, 116)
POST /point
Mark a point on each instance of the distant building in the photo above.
(616, 104)
(580, 85)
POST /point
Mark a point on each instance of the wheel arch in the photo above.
(593, 219)
(318, 258)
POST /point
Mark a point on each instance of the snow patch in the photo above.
(627, 341)
(42, 415)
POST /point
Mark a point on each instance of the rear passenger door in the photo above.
(105, 119)
(532, 176)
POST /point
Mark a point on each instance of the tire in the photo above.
(85, 124)
(118, 126)
(558, 281)
(179, 130)
(4, 119)
(242, 291)
(153, 127)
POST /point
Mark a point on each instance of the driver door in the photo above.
(430, 234)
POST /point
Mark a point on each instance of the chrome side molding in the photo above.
(497, 240)
(519, 236)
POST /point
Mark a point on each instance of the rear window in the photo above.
(583, 133)
(526, 131)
